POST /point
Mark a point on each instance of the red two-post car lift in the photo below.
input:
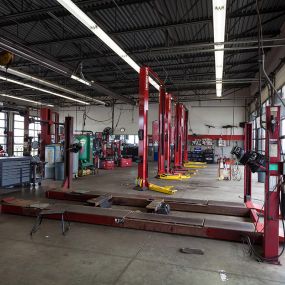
(89, 205)
(273, 185)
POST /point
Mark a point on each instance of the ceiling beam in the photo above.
(144, 28)
(160, 50)
(42, 13)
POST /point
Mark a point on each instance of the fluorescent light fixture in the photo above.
(25, 100)
(80, 80)
(47, 83)
(219, 89)
(43, 90)
(92, 26)
(154, 84)
(219, 24)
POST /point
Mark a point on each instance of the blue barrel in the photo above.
(59, 171)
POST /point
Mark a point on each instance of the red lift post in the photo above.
(164, 133)
(180, 134)
(247, 172)
(161, 128)
(143, 123)
(185, 150)
(270, 227)
(68, 155)
(48, 118)
(272, 184)
(45, 117)
(167, 136)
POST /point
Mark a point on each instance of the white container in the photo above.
(53, 154)
(49, 172)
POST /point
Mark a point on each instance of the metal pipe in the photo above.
(220, 49)
(270, 83)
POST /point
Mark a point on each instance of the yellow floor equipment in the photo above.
(173, 176)
(162, 189)
(194, 166)
(196, 162)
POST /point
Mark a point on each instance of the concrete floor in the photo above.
(91, 254)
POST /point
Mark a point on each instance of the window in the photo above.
(34, 130)
(3, 128)
(129, 139)
(18, 135)
(132, 139)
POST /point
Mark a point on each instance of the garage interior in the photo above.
(141, 142)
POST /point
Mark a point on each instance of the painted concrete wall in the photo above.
(216, 113)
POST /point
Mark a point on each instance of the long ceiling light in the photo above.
(48, 83)
(44, 60)
(25, 100)
(219, 23)
(93, 27)
(42, 90)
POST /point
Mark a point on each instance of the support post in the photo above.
(272, 184)
(247, 171)
(178, 135)
(185, 150)
(10, 134)
(142, 133)
(27, 147)
(56, 127)
(45, 117)
(162, 125)
(167, 136)
(68, 155)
